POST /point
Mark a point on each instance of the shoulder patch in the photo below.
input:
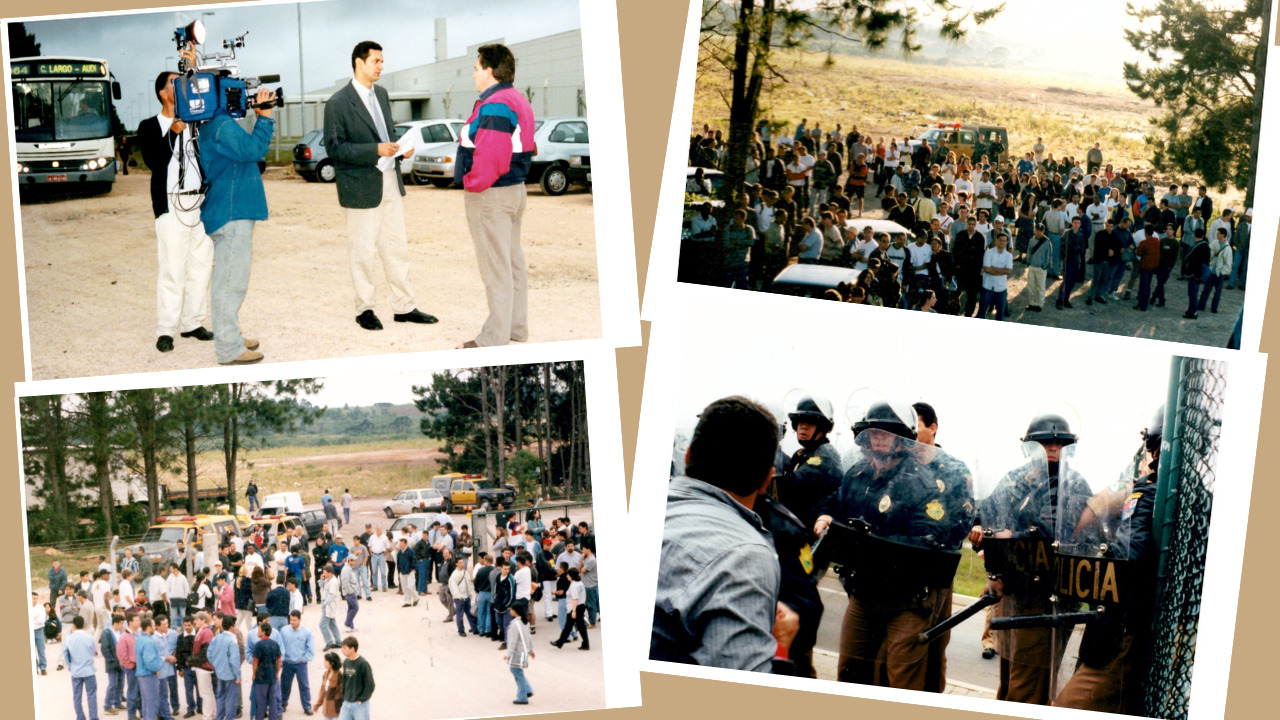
(806, 559)
(814, 461)
(934, 510)
(1130, 505)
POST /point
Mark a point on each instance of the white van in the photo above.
(280, 504)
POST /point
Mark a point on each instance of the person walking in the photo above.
(329, 609)
(346, 505)
(405, 563)
(519, 652)
(298, 647)
(463, 592)
(78, 652)
(329, 700)
(357, 682)
(577, 596)
(350, 587)
(591, 583)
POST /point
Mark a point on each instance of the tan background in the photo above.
(651, 34)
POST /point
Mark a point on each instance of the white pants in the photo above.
(374, 233)
(204, 686)
(1035, 286)
(548, 597)
(185, 255)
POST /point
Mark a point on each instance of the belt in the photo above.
(188, 192)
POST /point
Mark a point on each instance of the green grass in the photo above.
(971, 576)
(292, 451)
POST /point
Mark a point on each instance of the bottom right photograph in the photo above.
(1031, 528)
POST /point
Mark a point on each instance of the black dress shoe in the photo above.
(199, 333)
(416, 316)
(368, 320)
(164, 343)
(988, 653)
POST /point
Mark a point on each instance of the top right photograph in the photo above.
(1091, 170)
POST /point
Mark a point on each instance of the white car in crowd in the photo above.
(436, 146)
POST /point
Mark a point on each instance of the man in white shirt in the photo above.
(253, 559)
(100, 591)
(237, 543)
(1222, 223)
(379, 544)
(862, 245)
(185, 252)
(964, 184)
(158, 590)
(832, 240)
(1038, 151)
(126, 588)
(985, 192)
(178, 588)
(997, 265)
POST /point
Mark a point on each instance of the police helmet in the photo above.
(814, 410)
(1050, 427)
(1154, 431)
(899, 420)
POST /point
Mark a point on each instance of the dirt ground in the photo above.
(90, 266)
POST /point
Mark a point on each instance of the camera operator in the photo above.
(235, 201)
(184, 250)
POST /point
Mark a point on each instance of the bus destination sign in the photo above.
(58, 68)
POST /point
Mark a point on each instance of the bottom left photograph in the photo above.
(317, 546)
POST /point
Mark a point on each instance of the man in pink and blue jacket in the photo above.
(494, 155)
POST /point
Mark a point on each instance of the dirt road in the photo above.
(90, 267)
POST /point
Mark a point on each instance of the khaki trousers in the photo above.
(878, 644)
(1102, 689)
(378, 233)
(185, 256)
(1035, 286)
(494, 218)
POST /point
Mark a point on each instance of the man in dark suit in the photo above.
(185, 251)
(358, 136)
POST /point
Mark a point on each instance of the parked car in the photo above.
(163, 536)
(437, 146)
(417, 500)
(312, 521)
(557, 139)
(580, 169)
(310, 159)
(471, 491)
(812, 281)
(273, 525)
(421, 521)
(280, 503)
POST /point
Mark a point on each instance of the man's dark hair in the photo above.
(733, 445)
(361, 52)
(78, 622)
(926, 413)
(498, 58)
(228, 622)
(296, 613)
(265, 629)
(351, 642)
(161, 80)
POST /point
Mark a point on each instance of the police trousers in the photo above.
(878, 643)
(1103, 688)
(1027, 657)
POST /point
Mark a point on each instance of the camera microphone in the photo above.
(266, 79)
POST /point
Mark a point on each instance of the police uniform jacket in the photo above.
(806, 478)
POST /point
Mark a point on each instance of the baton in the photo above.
(1038, 621)
(982, 603)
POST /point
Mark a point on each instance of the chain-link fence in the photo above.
(483, 523)
(1184, 500)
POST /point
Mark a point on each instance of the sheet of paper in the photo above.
(405, 143)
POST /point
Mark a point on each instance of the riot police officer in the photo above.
(810, 474)
(1033, 500)
(1108, 675)
(895, 492)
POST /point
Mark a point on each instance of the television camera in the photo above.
(215, 82)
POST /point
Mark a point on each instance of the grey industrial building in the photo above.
(549, 70)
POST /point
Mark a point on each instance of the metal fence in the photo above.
(1184, 501)
(484, 522)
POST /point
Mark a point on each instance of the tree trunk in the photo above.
(230, 438)
(100, 424)
(500, 402)
(145, 421)
(189, 442)
(573, 433)
(516, 396)
(484, 414)
(55, 466)
(748, 79)
(546, 426)
(1259, 74)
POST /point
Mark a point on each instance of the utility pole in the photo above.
(302, 81)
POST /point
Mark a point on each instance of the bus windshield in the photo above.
(60, 110)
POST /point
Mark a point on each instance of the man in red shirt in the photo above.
(857, 185)
(200, 663)
(126, 653)
(1148, 252)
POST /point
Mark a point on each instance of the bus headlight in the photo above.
(95, 164)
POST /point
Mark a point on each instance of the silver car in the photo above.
(412, 501)
(437, 149)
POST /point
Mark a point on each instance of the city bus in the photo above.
(62, 112)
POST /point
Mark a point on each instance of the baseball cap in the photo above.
(1248, 211)
(999, 218)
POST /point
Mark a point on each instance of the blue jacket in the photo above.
(149, 660)
(224, 656)
(230, 157)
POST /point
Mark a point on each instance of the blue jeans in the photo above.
(232, 251)
(253, 503)
(1101, 281)
(278, 622)
(461, 609)
(522, 685)
(593, 604)
(132, 695)
(194, 703)
(423, 575)
(354, 711)
(1055, 264)
(149, 689)
(228, 696)
(484, 612)
(266, 698)
(289, 671)
(346, 513)
(1212, 283)
(379, 571)
(80, 686)
(504, 619)
(1070, 276)
(38, 634)
(178, 608)
(362, 574)
(1239, 269)
(993, 299)
(1193, 290)
(169, 694)
(1162, 277)
(329, 631)
(353, 607)
(1144, 288)
(114, 696)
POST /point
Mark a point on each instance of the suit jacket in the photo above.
(351, 139)
(157, 149)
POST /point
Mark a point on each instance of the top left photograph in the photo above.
(231, 185)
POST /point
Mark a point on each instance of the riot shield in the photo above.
(896, 528)
(1017, 511)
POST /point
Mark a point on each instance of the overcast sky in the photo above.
(363, 390)
(984, 398)
(138, 46)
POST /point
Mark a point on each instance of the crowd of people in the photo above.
(1108, 236)
(256, 588)
(889, 521)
